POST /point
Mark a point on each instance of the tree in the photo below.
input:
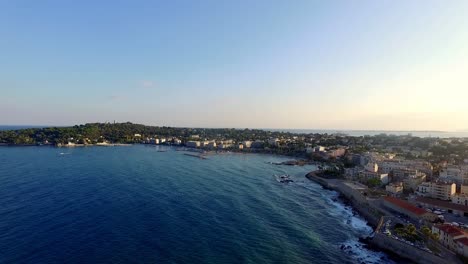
(374, 182)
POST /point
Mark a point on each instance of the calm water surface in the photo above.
(138, 205)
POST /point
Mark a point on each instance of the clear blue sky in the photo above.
(280, 64)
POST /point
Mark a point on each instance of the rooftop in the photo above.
(405, 205)
(441, 203)
(450, 230)
(463, 240)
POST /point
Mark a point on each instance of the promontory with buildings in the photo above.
(413, 190)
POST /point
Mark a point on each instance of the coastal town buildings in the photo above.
(438, 190)
(457, 174)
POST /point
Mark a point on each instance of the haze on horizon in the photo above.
(363, 65)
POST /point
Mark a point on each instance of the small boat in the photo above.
(285, 178)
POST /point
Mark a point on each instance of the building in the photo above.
(177, 141)
(352, 173)
(464, 189)
(405, 208)
(383, 177)
(411, 182)
(193, 144)
(154, 141)
(402, 173)
(394, 188)
(240, 146)
(204, 143)
(319, 149)
(335, 153)
(460, 199)
(437, 190)
(372, 166)
(273, 141)
(457, 174)
(453, 208)
(247, 143)
(462, 246)
(448, 235)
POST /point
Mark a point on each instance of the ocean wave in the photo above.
(357, 251)
(359, 227)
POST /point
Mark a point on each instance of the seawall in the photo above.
(353, 197)
(373, 216)
(407, 251)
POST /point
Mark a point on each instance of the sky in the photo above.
(305, 64)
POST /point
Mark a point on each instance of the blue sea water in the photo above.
(137, 204)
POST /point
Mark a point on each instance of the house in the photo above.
(448, 235)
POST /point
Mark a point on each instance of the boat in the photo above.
(285, 178)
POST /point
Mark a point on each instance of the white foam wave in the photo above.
(360, 254)
(355, 249)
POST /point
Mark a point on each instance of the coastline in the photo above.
(351, 194)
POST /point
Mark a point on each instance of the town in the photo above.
(413, 190)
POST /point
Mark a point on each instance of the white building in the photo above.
(460, 199)
(437, 190)
(247, 143)
(383, 177)
(457, 174)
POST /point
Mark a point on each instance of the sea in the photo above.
(153, 204)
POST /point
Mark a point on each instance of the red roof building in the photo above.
(450, 236)
(462, 244)
(403, 207)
